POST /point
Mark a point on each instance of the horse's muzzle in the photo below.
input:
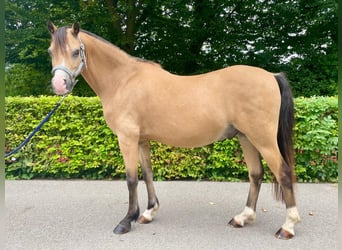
(61, 83)
(64, 79)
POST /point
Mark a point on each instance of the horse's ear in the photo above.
(75, 28)
(51, 27)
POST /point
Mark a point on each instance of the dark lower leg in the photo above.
(133, 209)
(254, 189)
(153, 204)
(286, 185)
(148, 179)
(292, 216)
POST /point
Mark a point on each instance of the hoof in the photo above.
(234, 223)
(143, 220)
(122, 228)
(283, 234)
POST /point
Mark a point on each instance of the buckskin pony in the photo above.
(143, 102)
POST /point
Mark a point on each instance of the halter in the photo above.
(73, 75)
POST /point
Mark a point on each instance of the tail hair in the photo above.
(285, 131)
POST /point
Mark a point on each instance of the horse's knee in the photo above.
(147, 175)
(256, 176)
(132, 182)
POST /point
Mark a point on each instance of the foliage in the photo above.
(76, 143)
(316, 138)
(185, 37)
(18, 76)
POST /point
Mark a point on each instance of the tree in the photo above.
(186, 36)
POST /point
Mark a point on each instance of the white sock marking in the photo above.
(150, 213)
(292, 218)
(248, 215)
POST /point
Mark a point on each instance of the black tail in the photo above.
(285, 131)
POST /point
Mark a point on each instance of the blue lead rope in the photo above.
(40, 125)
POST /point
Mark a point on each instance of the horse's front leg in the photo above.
(129, 150)
(153, 204)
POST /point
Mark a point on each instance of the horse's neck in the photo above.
(106, 65)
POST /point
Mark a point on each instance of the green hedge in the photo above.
(76, 143)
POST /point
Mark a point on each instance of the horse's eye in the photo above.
(76, 53)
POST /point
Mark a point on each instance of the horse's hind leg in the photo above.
(153, 204)
(255, 170)
(284, 177)
(283, 174)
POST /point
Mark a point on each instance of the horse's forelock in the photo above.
(59, 38)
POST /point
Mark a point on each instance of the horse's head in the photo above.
(68, 57)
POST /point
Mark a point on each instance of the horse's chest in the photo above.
(119, 118)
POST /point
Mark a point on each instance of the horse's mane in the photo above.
(60, 40)
(147, 61)
(98, 37)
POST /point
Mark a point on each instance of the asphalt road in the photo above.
(193, 215)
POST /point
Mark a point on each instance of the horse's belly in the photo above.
(190, 135)
(184, 142)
